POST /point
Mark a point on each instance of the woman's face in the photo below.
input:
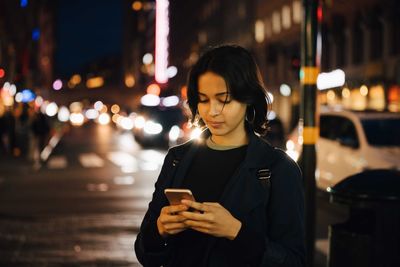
(223, 115)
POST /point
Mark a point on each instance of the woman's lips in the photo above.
(214, 124)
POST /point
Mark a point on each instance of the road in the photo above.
(84, 206)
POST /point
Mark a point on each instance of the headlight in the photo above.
(152, 128)
(76, 119)
(126, 123)
(104, 119)
(174, 133)
(139, 122)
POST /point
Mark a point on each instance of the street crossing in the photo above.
(57, 162)
(127, 162)
(91, 160)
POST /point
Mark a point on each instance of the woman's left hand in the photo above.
(212, 219)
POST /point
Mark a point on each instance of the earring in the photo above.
(197, 119)
(251, 119)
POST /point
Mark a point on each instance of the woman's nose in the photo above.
(215, 108)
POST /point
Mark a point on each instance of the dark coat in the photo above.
(276, 212)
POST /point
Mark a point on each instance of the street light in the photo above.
(137, 5)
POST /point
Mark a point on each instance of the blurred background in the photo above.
(93, 92)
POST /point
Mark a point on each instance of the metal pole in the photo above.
(308, 79)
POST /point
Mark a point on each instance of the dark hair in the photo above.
(243, 80)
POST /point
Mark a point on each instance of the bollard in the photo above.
(371, 234)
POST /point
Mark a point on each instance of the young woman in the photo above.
(249, 207)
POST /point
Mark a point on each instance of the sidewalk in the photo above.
(10, 165)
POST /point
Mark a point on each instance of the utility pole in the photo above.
(308, 119)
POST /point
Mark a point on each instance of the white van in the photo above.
(351, 142)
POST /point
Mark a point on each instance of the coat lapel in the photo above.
(244, 192)
(184, 164)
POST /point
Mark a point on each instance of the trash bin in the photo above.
(371, 234)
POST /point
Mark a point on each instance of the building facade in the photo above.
(359, 37)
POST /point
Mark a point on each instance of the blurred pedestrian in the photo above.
(9, 131)
(22, 130)
(3, 145)
(41, 129)
(249, 207)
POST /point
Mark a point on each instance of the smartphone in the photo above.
(175, 195)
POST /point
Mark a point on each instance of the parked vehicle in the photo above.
(351, 142)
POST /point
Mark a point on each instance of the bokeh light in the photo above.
(172, 71)
(57, 84)
(115, 108)
(76, 119)
(153, 89)
(137, 5)
(51, 109)
(104, 119)
(147, 58)
(285, 90)
(98, 105)
(130, 80)
(63, 114)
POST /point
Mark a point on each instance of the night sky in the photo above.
(85, 31)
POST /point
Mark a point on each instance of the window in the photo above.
(337, 128)
(286, 18)
(297, 12)
(259, 31)
(376, 41)
(326, 130)
(382, 132)
(395, 34)
(276, 22)
(358, 44)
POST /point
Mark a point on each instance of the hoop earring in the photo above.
(251, 120)
(197, 119)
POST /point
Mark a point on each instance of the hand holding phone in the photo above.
(170, 221)
(175, 195)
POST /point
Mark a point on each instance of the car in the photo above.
(351, 142)
(160, 126)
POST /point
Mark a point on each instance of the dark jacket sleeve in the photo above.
(151, 249)
(285, 245)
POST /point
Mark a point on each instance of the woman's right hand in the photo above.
(170, 222)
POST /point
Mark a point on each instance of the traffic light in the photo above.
(295, 64)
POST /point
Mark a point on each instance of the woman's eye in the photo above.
(203, 100)
(225, 100)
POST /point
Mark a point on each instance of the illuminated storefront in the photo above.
(364, 97)
(394, 98)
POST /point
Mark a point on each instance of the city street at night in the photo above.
(276, 125)
(83, 207)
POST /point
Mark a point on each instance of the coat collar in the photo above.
(258, 152)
